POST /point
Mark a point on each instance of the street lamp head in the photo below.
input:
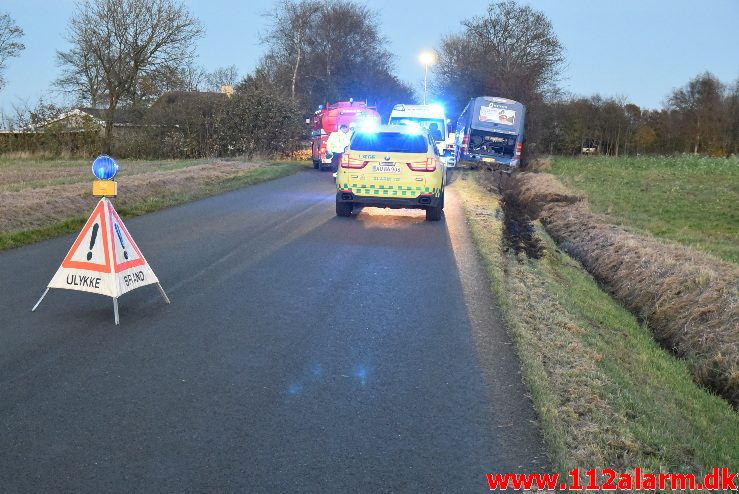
(427, 57)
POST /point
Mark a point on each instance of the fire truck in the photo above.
(328, 119)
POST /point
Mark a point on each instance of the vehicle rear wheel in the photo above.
(316, 164)
(433, 213)
(344, 208)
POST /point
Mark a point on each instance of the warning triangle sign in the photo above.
(90, 250)
(104, 258)
(126, 253)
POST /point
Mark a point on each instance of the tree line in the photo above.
(513, 51)
(138, 55)
(128, 54)
(701, 117)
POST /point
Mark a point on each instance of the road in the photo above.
(302, 352)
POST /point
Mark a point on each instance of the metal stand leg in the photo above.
(115, 309)
(39, 300)
(161, 290)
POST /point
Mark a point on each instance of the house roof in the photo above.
(121, 116)
(188, 97)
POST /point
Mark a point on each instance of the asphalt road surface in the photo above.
(302, 352)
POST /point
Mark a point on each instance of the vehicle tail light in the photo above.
(465, 141)
(349, 162)
(519, 147)
(423, 166)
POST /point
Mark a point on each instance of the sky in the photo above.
(636, 49)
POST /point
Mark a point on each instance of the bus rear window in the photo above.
(390, 142)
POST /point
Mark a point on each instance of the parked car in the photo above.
(392, 166)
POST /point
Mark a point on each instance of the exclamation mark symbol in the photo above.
(120, 238)
(92, 239)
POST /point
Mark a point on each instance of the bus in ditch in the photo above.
(491, 130)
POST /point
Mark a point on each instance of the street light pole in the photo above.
(425, 81)
(426, 58)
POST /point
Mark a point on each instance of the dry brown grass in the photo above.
(541, 164)
(40, 155)
(534, 191)
(14, 179)
(35, 207)
(689, 299)
(301, 154)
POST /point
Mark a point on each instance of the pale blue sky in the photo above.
(638, 49)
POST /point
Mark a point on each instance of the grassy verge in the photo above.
(149, 201)
(250, 177)
(691, 200)
(32, 173)
(607, 395)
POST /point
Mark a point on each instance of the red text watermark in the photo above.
(606, 479)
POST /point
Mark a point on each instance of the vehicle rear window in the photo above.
(390, 142)
(485, 142)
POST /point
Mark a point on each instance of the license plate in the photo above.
(386, 168)
(489, 160)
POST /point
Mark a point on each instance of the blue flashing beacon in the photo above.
(104, 167)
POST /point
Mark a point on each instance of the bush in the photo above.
(53, 142)
(256, 121)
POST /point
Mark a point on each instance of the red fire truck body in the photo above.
(328, 119)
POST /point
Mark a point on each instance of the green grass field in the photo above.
(691, 200)
(606, 393)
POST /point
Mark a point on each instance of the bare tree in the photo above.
(512, 51)
(10, 45)
(731, 128)
(350, 47)
(326, 50)
(193, 77)
(288, 37)
(166, 78)
(30, 115)
(700, 104)
(131, 39)
(222, 76)
(82, 76)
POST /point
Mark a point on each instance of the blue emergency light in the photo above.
(438, 108)
(104, 167)
(368, 127)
